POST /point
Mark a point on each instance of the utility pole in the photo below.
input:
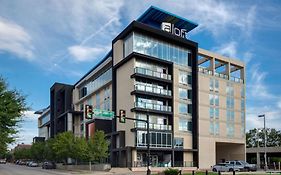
(264, 127)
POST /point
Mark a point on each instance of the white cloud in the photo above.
(229, 49)
(83, 53)
(14, 39)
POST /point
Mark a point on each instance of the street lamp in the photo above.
(265, 159)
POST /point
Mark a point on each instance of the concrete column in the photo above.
(242, 74)
(212, 65)
(258, 160)
(227, 70)
(69, 122)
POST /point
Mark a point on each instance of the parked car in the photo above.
(22, 162)
(48, 165)
(224, 167)
(242, 165)
(3, 161)
(33, 164)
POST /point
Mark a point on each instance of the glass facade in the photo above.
(139, 43)
(178, 142)
(157, 139)
(96, 83)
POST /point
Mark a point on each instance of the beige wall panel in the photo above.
(117, 52)
(124, 87)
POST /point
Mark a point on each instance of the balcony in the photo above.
(153, 106)
(150, 89)
(221, 75)
(152, 73)
(153, 126)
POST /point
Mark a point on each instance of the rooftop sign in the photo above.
(167, 21)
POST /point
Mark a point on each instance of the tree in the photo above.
(22, 153)
(80, 149)
(98, 146)
(255, 137)
(63, 146)
(37, 151)
(12, 106)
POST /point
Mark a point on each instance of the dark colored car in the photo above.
(48, 165)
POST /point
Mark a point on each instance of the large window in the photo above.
(185, 125)
(153, 47)
(157, 139)
(97, 101)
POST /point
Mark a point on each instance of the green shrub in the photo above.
(171, 171)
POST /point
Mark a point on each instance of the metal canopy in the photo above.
(154, 16)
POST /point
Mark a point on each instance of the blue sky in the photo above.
(42, 42)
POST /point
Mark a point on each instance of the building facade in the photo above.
(196, 113)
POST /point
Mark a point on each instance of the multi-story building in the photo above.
(196, 114)
(44, 123)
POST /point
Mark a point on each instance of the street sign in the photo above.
(103, 114)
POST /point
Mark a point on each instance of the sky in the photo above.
(48, 41)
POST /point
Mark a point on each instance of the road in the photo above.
(12, 169)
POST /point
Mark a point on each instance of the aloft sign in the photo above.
(169, 27)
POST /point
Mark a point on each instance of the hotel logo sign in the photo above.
(168, 27)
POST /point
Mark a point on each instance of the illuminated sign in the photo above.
(168, 27)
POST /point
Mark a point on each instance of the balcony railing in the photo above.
(205, 71)
(153, 126)
(221, 75)
(153, 106)
(152, 73)
(151, 89)
(235, 79)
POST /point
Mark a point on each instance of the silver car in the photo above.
(224, 167)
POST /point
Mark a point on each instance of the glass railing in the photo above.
(221, 75)
(205, 71)
(235, 79)
(152, 73)
(155, 90)
(153, 106)
(153, 126)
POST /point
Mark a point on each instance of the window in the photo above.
(183, 108)
(185, 125)
(230, 129)
(229, 116)
(217, 128)
(217, 112)
(242, 92)
(242, 105)
(178, 142)
(189, 96)
(211, 129)
(157, 139)
(242, 117)
(185, 78)
(183, 93)
(214, 99)
(97, 101)
(211, 87)
(216, 85)
(211, 112)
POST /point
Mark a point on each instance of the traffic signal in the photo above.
(122, 116)
(89, 111)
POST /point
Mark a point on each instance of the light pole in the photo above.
(265, 158)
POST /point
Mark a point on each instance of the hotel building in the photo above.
(195, 99)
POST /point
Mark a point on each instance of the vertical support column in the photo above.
(242, 74)
(258, 160)
(69, 122)
(227, 70)
(212, 65)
